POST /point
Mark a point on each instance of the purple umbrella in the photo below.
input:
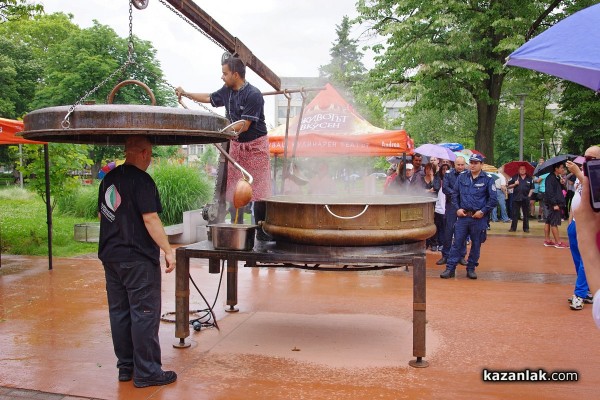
(435, 150)
(569, 50)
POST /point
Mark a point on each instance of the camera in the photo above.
(592, 171)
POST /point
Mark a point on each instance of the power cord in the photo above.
(206, 317)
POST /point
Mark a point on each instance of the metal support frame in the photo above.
(269, 253)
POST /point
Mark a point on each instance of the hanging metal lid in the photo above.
(110, 124)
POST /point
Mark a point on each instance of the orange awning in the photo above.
(330, 126)
(8, 130)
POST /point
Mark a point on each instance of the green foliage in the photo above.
(81, 202)
(64, 160)
(19, 72)
(182, 188)
(346, 72)
(451, 53)
(11, 10)
(581, 116)
(25, 231)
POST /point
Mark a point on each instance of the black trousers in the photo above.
(134, 301)
(518, 207)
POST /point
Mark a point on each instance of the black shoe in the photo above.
(462, 261)
(447, 274)
(471, 274)
(441, 261)
(526, 230)
(125, 374)
(512, 230)
(162, 378)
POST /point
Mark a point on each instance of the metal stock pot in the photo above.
(333, 220)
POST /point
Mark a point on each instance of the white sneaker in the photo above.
(576, 303)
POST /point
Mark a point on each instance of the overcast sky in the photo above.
(291, 38)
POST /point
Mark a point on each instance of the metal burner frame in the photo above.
(269, 254)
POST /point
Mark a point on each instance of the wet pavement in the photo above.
(311, 334)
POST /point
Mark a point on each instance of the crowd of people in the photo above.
(469, 199)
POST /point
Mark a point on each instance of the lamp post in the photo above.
(521, 114)
(542, 153)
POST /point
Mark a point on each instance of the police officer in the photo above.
(450, 212)
(474, 197)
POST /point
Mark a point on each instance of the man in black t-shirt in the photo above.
(131, 236)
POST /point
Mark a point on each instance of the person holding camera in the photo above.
(588, 236)
(581, 293)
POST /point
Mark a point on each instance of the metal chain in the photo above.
(192, 24)
(66, 123)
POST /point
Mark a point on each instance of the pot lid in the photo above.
(110, 124)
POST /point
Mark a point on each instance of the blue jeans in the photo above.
(133, 290)
(477, 230)
(502, 204)
(449, 223)
(581, 285)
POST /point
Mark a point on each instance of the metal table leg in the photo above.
(232, 275)
(419, 317)
(182, 298)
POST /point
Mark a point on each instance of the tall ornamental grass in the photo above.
(82, 202)
(182, 188)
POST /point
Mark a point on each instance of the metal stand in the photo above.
(268, 253)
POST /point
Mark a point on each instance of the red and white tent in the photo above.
(330, 126)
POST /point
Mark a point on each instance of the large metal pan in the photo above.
(350, 221)
(110, 124)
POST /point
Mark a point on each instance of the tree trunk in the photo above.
(487, 111)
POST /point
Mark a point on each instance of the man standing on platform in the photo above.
(243, 102)
(522, 186)
(474, 198)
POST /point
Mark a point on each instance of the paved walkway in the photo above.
(312, 335)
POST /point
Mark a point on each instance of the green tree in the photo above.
(64, 160)
(453, 51)
(17, 9)
(581, 117)
(346, 72)
(345, 68)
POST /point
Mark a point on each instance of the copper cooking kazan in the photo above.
(110, 124)
(330, 220)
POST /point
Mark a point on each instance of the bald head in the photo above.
(593, 151)
(138, 151)
(459, 164)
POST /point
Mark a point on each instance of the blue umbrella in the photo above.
(569, 50)
(453, 146)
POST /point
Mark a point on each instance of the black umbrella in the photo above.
(547, 167)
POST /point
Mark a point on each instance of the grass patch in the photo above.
(24, 229)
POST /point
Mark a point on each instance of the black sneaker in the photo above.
(462, 261)
(162, 378)
(471, 274)
(125, 374)
(441, 261)
(447, 274)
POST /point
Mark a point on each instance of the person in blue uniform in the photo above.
(450, 212)
(474, 198)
